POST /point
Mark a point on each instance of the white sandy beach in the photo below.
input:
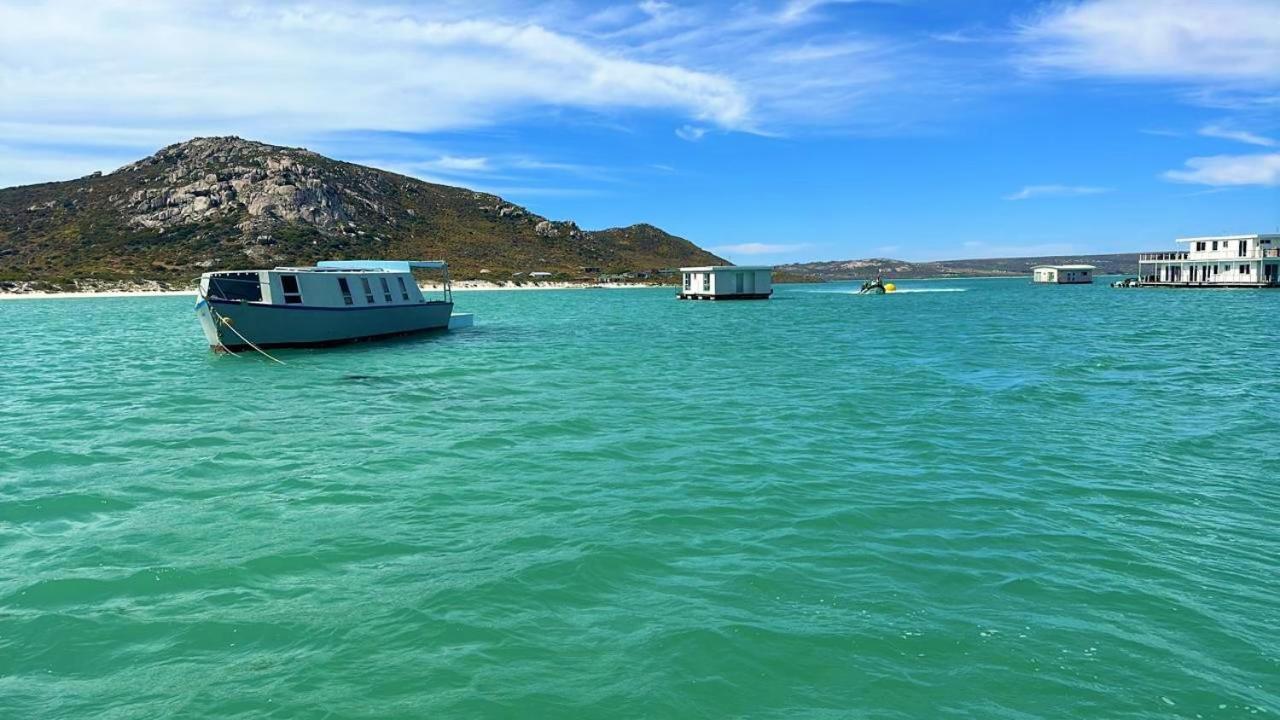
(461, 286)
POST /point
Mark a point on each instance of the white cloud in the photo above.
(691, 133)
(459, 164)
(323, 67)
(1035, 191)
(1197, 40)
(1215, 131)
(758, 248)
(1224, 170)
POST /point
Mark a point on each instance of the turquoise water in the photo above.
(999, 501)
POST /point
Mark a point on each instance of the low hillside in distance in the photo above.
(834, 270)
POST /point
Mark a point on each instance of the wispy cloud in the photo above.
(759, 248)
(1216, 131)
(281, 66)
(691, 133)
(459, 164)
(1039, 191)
(1233, 41)
(1226, 170)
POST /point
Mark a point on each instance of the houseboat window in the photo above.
(404, 293)
(1243, 245)
(687, 280)
(236, 286)
(292, 295)
(1244, 269)
(1199, 246)
(1215, 244)
(738, 282)
(386, 290)
(706, 282)
(346, 290)
(368, 291)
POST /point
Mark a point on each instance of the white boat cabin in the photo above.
(1215, 261)
(727, 282)
(330, 284)
(1063, 274)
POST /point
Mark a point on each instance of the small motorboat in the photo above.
(876, 287)
(1126, 283)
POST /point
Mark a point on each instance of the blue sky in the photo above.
(769, 131)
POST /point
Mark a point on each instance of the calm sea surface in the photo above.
(977, 499)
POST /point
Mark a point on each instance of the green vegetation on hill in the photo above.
(224, 203)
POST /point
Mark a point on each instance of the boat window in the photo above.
(404, 292)
(686, 280)
(706, 282)
(386, 290)
(292, 295)
(368, 291)
(236, 286)
(346, 290)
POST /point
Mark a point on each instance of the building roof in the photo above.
(714, 268)
(1269, 236)
(1065, 267)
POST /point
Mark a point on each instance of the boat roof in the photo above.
(713, 268)
(388, 265)
(1065, 267)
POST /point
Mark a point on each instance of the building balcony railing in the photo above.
(1176, 255)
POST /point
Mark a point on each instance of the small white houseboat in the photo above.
(334, 302)
(727, 282)
(1063, 274)
(1215, 261)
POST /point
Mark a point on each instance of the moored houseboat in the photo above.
(1063, 274)
(1248, 261)
(336, 301)
(727, 282)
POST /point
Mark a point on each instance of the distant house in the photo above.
(727, 282)
(1063, 274)
(540, 274)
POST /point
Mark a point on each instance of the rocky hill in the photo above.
(225, 202)
(1116, 264)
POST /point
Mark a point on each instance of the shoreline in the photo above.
(461, 286)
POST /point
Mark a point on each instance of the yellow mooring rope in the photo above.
(221, 319)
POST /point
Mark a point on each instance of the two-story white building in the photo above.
(1222, 261)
